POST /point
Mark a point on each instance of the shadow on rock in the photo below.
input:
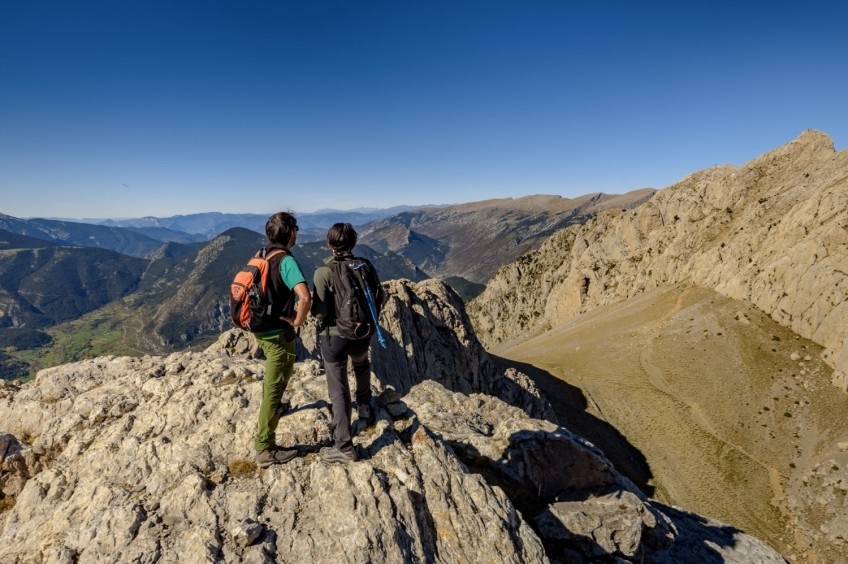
(703, 540)
(570, 405)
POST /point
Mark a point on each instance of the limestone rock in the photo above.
(614, 522)
(246, 532)
(128, 459)
(171, 473)
(771, 232)
(16, 465)
(237, 343)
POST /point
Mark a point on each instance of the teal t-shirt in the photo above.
(292, 276)
(290, 272)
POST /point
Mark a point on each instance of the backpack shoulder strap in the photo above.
(274, 253)
(269, 252)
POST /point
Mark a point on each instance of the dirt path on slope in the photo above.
(702, 389)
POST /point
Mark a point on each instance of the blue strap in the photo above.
(371, 306)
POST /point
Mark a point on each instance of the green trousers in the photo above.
(279, 365)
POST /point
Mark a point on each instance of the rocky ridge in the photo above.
(148, 459)
(773, 232)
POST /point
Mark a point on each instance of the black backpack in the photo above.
(357, 296)
(252, 305)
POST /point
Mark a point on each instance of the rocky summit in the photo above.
(120, 459)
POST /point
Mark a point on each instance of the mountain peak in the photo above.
(753, 232)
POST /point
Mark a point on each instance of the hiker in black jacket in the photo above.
(336, 349)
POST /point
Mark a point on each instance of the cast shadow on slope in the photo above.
(570, 405)
(562, 489)
(700, 539)
(529, 499)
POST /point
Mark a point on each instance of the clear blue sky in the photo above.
(126, 108)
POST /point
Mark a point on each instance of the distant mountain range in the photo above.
(167, 278)
(211, 224)
(69, 233)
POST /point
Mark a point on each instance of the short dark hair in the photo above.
(341, 237)
(279, 228)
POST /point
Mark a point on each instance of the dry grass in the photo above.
(25, 436)
(701, 386)
(6, 503)
(241, 467)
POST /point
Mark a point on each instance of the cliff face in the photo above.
(146, 459)
(773, 232)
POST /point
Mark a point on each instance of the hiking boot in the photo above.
(334, 456)
(366, 414)
(284, 408)
(275, 455)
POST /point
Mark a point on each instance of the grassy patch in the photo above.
(25, 436)
(6, 503)
(229, 379)
(106, 331)
(241, 467)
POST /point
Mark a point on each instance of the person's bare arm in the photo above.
(304, 302)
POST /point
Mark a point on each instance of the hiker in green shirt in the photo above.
(278, 343)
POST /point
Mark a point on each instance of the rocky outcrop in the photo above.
(146, 459)
(429, 337)
(772, 232)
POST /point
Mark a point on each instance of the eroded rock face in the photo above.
(772, 232)
(146, 459)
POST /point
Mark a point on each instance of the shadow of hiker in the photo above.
(698, 539)
(390, 432)
(570, 405)
(317, 404)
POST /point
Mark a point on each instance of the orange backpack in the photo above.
(250, 301)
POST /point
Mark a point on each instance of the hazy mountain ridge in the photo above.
(44, 286)
(771, 232)
(164, 310)
(72, 233)
(138, 236)
(168, 235)
(125, 459)
(175, 297)
(9, 240)
(212, 224)
(472, 240)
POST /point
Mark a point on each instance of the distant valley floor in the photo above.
(708, 404)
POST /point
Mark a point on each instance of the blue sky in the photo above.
(126, 108)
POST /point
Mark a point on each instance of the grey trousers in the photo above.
(336, 351)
